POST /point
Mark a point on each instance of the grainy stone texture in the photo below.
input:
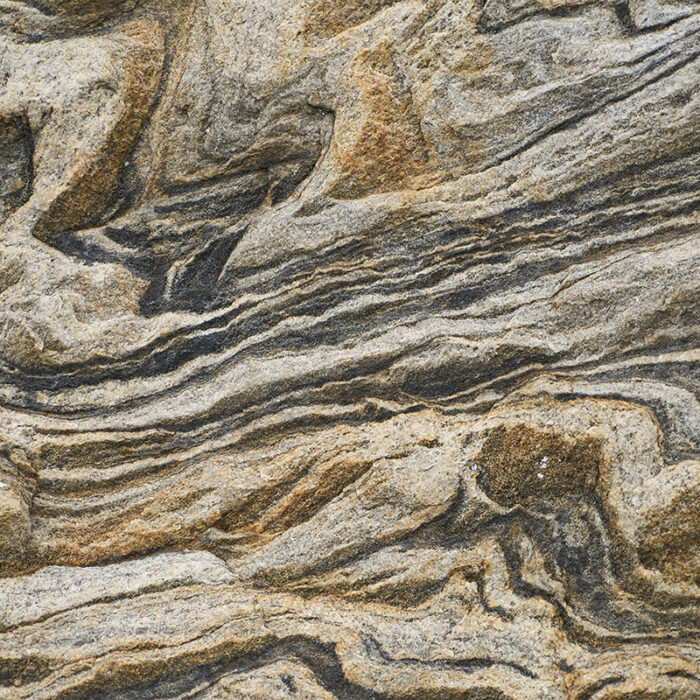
(348, 349)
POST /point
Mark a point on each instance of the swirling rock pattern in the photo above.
(349, 349)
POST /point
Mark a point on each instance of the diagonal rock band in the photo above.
(349, 350)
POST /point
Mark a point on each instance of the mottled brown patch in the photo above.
(672, 539)
(385, 150)
(90, 187)
(519, 465)
(325, 19)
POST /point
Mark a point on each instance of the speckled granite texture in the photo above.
(349, 349)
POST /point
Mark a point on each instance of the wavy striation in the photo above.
(349, 350)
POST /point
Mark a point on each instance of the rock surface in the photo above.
(349, 349)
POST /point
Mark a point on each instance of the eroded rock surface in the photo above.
(349, 349)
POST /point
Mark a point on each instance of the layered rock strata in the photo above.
(349, 349)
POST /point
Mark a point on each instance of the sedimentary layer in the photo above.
(349, 350)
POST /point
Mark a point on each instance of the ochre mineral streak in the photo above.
(349, 349)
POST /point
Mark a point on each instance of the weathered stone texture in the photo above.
(349, 349)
